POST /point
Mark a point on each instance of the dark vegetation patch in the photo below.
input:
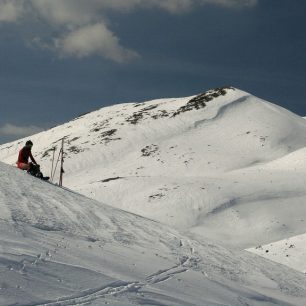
(107, 136)
(55, 144)
(161, 114)
(149, 150)
(48, 152)
(156, 196)
(72, 149)
(150, 107)
(106, 140)
(75, 149)
(5, 148)
(135, 118)
(138, 104)
(139, 115)
(111, 179)
(108, 133)
(101, 125)
(73, 139)
(60, 139)
(200, 101)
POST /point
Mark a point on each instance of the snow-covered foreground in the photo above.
(224, 167)
(61, 248)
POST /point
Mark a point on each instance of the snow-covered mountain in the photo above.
(61, 248)
(223, 165)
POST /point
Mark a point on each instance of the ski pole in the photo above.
(62, 164)
(52, 164)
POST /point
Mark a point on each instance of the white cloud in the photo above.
(81, 25)
(94, 39)
(10, 10)
(84, 30)
(66, 12)
(20, 131)
(232, 3)
(174, 6)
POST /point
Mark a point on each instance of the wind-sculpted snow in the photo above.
(61, 248)
(223, 165)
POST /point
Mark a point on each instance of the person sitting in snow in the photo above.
(23, 161)
(24, 155)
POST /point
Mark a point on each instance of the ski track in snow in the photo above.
(116, 288)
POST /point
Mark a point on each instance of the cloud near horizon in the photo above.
(10, 10)
(82, 24)
(19, 131)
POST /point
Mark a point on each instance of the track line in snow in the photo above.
(92, 294)
(117, 287)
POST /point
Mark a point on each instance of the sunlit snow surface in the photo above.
(60, 248)
(291, 252)
(224, 169)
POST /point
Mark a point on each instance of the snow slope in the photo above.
(223, 165)
(291, 252)
(61, 248)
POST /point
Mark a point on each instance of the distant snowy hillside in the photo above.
(224, 164)
(60, 248)
(291, 252)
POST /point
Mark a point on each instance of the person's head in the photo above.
(29, 144)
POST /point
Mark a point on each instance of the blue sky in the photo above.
(61, 58)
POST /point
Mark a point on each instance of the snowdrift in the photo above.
(61, 248)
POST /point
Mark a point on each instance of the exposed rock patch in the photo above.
(75, 149)
(200, 101)
(149, 150)
(47, 152)
(101, 125)
(107, 136)
(111, 179)
(161, 114)
(156, 196)
(141, 114)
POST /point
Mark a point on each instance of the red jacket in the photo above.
(24, 155)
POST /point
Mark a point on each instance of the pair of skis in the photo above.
(59, 158)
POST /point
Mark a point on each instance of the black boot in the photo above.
(35, 171)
